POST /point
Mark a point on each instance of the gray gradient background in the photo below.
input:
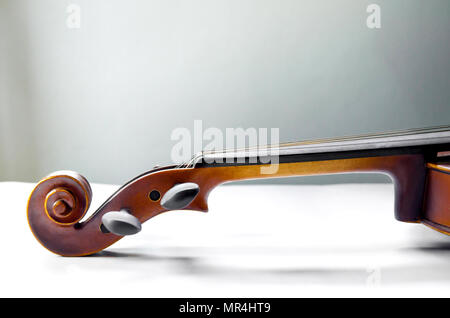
(103, 100)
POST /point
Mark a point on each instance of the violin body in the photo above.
(421, 176)
(436, 210)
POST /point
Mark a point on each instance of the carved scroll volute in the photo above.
(56, 206)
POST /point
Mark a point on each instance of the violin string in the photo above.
(345, 138)
(271, 147)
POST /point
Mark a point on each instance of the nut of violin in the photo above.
(121, 223)
(180, 196)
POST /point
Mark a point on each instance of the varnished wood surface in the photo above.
(437, 204)
(407, 171)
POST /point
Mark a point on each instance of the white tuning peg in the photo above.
(120, 223)
(180, 196)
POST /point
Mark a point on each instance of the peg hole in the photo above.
(155, 195)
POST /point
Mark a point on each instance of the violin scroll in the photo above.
(58, 205)
(65, 197)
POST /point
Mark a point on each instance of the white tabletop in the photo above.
(256, 241)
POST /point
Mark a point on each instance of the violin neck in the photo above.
(402, 155)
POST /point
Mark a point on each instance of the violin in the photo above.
(417, 161)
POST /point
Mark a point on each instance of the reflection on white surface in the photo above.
(285, 240)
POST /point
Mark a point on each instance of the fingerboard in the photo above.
(426, 140)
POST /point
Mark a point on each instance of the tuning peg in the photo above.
(180, 196)
(120, 223)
